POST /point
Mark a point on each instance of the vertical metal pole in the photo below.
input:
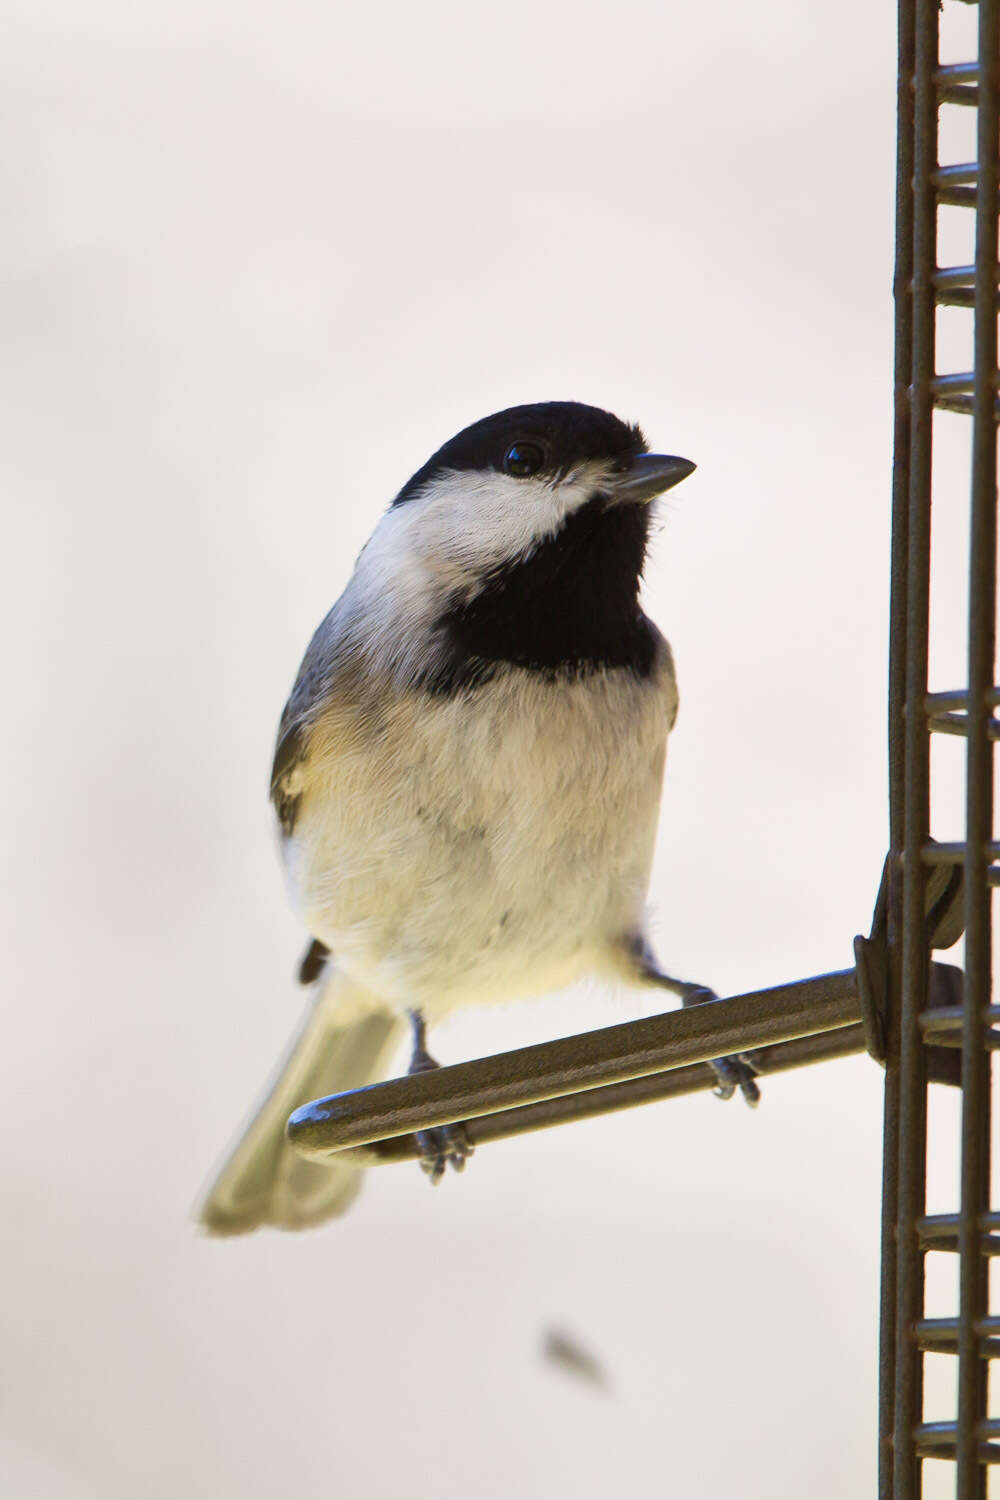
(975, 1185)
(903, 360)
(912, 1058)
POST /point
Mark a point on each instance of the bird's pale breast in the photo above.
(485, 845)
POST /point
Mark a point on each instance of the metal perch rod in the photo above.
(612, 1068)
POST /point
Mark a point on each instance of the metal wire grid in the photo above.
(924, 87)
(895, 1002)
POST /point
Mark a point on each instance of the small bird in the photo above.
(468, 773)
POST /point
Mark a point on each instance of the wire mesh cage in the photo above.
(930, 1023)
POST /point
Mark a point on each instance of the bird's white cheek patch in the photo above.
(474, 523)
(442, 543)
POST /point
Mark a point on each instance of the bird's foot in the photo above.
(732, 1073)
(443, 1145)
(735, 1072)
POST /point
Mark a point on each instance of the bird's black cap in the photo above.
(567, 432)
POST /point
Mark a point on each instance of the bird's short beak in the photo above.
(648, 475)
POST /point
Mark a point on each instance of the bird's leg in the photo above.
(733, 1073)
(444, 1143)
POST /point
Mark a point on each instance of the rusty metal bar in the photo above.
(976, 1104)
(611, 1055)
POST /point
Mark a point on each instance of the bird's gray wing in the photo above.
(316, 675)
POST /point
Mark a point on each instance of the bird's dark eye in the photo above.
(522, 459)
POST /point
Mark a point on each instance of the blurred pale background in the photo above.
(259, 260)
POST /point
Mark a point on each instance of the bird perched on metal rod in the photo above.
(468, 772)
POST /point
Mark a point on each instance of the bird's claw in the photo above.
(732, 1073)
(737, 1072)
(441, 1147)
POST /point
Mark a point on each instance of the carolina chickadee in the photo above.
(468, 771)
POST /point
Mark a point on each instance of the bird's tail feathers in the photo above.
(344, 1041)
